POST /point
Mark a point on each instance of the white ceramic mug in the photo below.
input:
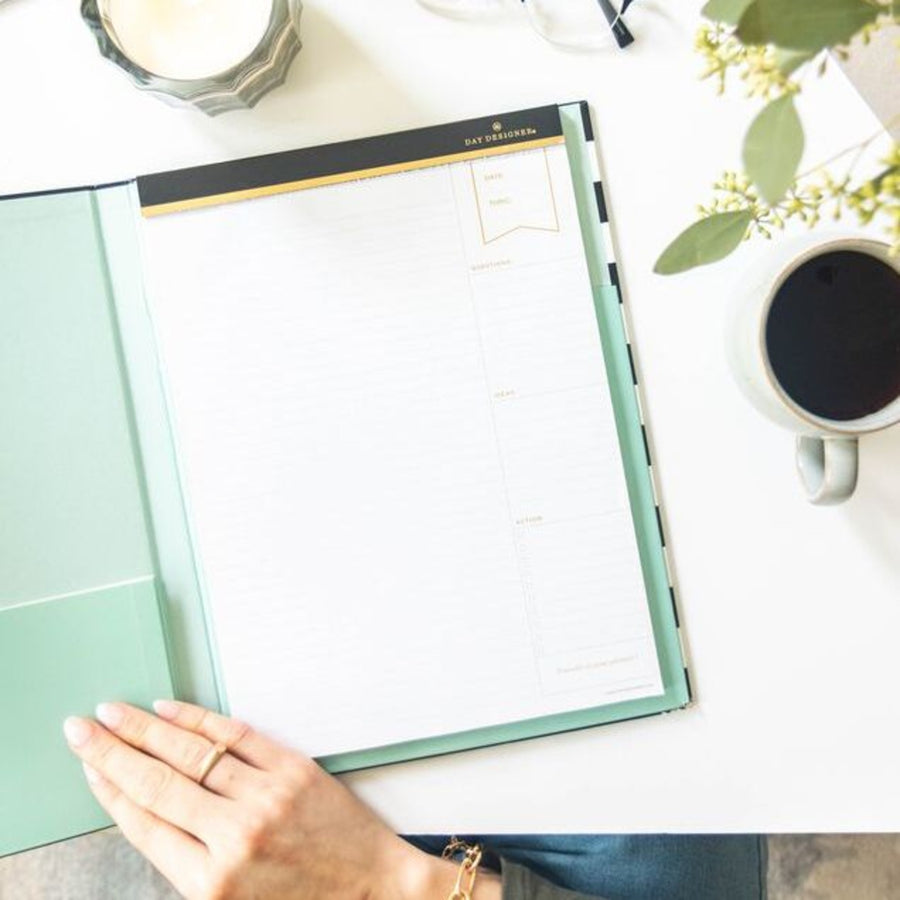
(827, 449)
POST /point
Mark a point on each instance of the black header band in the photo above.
(330, 163)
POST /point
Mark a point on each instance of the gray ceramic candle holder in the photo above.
(236, 88)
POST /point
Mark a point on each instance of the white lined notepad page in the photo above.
(400, 456)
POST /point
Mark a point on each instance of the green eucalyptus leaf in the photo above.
(728, 11)
(788, 61)
(706, 241)
(773, 147)
(805, 24)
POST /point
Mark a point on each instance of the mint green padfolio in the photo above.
(100, 594)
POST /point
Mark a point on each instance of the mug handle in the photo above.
(828, 468)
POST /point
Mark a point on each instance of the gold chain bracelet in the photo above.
(468, 870)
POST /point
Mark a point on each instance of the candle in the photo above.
(187, 39)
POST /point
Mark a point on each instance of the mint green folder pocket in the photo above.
(60, 657)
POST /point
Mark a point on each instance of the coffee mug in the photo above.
(814, 343)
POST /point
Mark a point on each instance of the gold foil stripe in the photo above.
(269, 190)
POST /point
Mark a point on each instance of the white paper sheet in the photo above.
(400, 456)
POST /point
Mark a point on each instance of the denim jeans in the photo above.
(634, 867)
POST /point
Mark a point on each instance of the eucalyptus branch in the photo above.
(860, 148)
(769, 45)
(812, 198)
(756, 66)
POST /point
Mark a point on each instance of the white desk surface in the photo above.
(791, 613)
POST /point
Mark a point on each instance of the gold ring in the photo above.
(211, 760)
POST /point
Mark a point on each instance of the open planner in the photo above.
(343, 441)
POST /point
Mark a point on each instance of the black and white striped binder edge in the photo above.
(609, 248)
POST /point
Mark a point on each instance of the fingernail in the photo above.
(76, 730)
(92, 775)
(110, 714)
(165, 709)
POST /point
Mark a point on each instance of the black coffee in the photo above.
(833, 335)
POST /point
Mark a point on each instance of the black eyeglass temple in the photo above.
(619, 29)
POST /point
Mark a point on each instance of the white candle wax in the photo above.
(188, 39)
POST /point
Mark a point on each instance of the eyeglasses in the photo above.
(573, 24)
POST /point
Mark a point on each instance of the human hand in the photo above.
(267, 822)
